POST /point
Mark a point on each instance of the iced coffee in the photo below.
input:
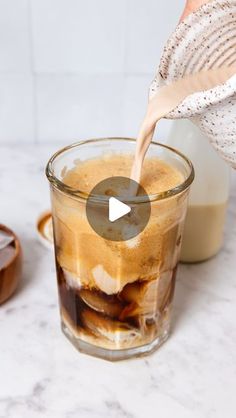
(115, 296)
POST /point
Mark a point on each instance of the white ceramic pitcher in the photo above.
(206, 39)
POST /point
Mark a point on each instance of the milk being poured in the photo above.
(167, 99)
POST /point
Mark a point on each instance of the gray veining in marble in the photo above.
(41, 374)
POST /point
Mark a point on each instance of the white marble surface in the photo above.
(42, 375)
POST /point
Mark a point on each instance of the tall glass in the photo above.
(115, 297)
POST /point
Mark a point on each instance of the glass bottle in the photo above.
(204, 226)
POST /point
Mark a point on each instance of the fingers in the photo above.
(192, 6)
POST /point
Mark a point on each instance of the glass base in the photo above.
(114, 355)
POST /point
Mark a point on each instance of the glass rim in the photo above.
(79, 194)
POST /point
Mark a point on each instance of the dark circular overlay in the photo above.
(126, 191)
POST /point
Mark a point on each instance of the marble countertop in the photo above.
(41, 373)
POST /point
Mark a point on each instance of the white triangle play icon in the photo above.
(117, 209)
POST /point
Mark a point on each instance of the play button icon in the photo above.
(117, 209)
(115, 212)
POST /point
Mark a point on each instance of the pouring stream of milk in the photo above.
(167, 99)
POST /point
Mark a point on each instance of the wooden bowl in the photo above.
(11, 272)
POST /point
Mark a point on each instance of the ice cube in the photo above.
(5, 239)
(105, 282)
(114, 331)
(72, 280)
